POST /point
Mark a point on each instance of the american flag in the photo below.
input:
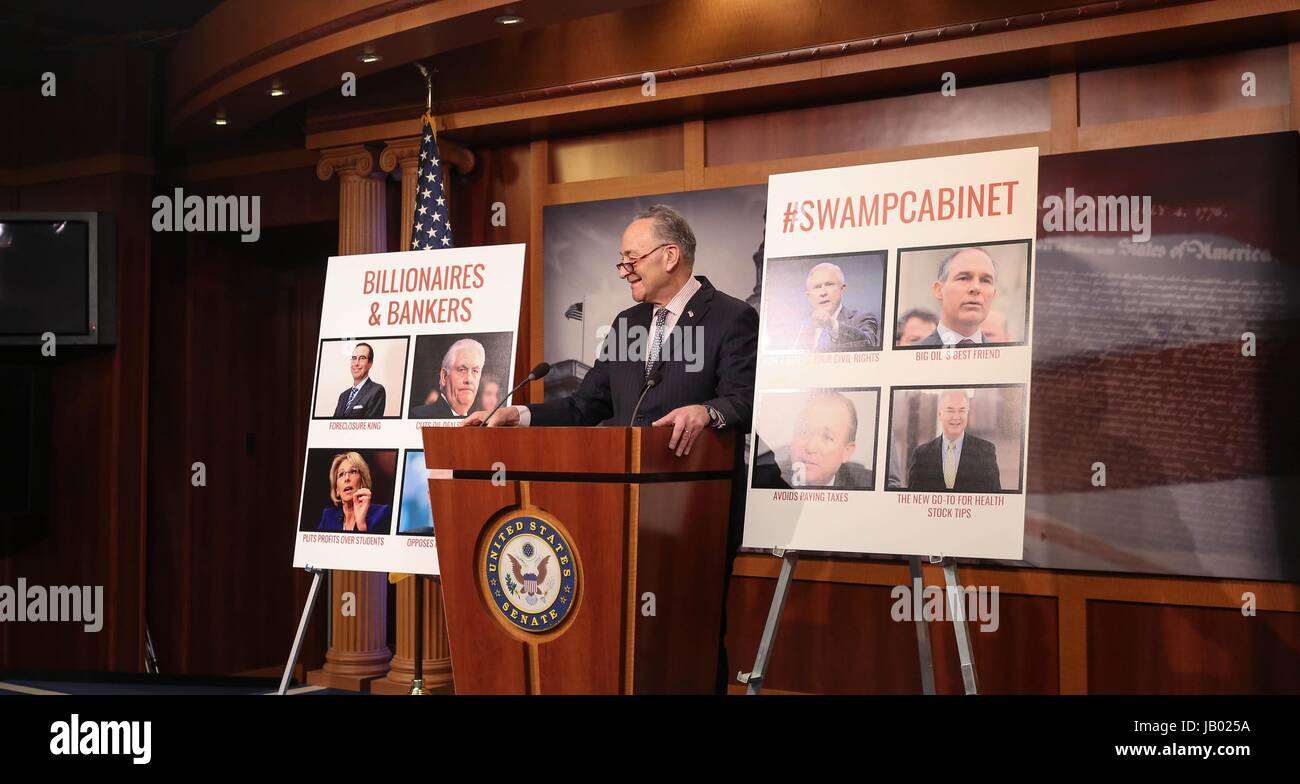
(432, 226)
(574, 312)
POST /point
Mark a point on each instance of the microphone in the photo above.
(654, 379)
(538, 372)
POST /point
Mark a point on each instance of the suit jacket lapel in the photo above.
(694, 312)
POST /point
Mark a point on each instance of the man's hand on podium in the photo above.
(508, 416)
(687, 423)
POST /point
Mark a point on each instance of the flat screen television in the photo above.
(57, 275)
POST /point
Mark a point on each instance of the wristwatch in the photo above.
(716, 420)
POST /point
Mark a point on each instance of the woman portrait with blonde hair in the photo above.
(350, 490)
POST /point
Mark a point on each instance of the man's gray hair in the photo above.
(942, 277)
(839, 273)
(672, 229)
(450, 356)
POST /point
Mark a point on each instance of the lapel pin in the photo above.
(690, 314)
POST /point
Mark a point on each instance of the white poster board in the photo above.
(439, 327)
(875, 436)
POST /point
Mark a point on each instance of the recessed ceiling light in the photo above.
(276, 92)
(509, 19)
(368, 55)
(220, 120)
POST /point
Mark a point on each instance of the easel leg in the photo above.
(417, 682)
(754, 679)
(302, 629)
(923, 650)
(957, 610)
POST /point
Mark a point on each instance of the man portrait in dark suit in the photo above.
(365, 399)
(458, 380)
(831, 325)
(965, 287)
(714, 388)
(955, 461)
(824, 440)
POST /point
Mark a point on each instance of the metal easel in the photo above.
(317, 574)
(956, 610)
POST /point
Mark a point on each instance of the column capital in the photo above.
(354, 160)
(400, 152)
(404, 152)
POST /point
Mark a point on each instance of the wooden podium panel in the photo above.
(638, 520)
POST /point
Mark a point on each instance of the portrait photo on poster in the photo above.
(962, 295)
(349, 490)
(454, 375)
(824, 303)
(961, 439)
(415, 516)
(816, 438)
(360, 378)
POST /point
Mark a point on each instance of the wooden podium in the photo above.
(580, 560)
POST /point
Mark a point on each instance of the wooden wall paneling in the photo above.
(1197, 85)
(170, 494)
(538, 176)
(1293, 72)
(1063, 93)
(835, 638)
(694, 153)
(1147, 648)
(925, 118)
(1164, 130)
(617, 188)
(99, 404)
(758, 171)
(616, 154)
(1018, 657)
(238, 314)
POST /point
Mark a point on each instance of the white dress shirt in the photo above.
(951, 338)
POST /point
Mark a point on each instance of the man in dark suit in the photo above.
(965, 287)
(955, 461)
(825, 436)
(365, 399)
(703, 342)
(458, 380)
(831, 326)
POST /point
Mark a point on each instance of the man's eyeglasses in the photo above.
(628, 263)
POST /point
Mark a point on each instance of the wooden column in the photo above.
(404, 156)
(358, 652)
(437, 650)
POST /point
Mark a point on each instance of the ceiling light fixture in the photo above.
(509, 19)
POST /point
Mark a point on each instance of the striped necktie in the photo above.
(661, 318)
